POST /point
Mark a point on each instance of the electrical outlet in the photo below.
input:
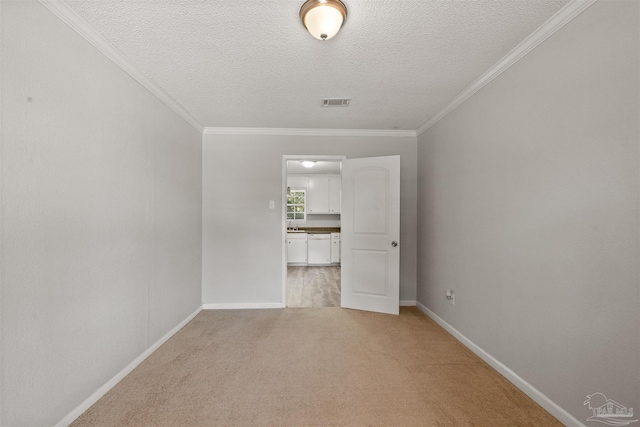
(451, 296)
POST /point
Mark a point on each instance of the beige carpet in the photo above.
(314, 367)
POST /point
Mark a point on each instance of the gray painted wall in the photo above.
(528, 210)
(242, 238)
(101, 218)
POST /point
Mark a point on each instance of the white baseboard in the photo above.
(248, 306)
(242, 306)
(245, 306)
(71, 417)
(550, 406)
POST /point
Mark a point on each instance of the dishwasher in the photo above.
(318, 249)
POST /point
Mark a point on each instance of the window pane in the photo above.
(296, 204)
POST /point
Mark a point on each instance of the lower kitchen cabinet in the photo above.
(296, 248)
(313, 248)
(335, 248)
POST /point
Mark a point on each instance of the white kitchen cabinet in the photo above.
(335, 248)
(335, 195)
(318, 195)
(323, 195)
(297, 248)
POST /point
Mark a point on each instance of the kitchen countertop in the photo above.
(319, 230)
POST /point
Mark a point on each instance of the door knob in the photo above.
(394, 243)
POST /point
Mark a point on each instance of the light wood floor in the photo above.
(313, 286)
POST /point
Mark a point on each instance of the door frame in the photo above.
(283, 208)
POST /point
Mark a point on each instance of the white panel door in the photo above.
(370, 234)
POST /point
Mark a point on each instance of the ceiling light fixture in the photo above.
(308, 164)
(323, 18)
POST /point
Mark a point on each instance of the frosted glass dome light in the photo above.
(323, 18)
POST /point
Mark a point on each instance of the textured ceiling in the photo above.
(251, 63)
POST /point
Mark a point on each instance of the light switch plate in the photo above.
(272, 204)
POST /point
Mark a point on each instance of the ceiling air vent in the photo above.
(335, 102)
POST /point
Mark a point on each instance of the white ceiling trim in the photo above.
(79, 25)
(308, 132)
(546, 30)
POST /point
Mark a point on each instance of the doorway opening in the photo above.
(313, 286)
(311, 228)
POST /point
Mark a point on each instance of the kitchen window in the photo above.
(297, 205)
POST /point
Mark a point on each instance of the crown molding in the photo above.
(307, 132)
(80, 26)
(546, 30)
(75, 22)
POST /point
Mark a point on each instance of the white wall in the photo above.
(528, 209)
(101, 218)
(242, 248)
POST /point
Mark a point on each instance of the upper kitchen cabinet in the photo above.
(323, 195)
(335, 195)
